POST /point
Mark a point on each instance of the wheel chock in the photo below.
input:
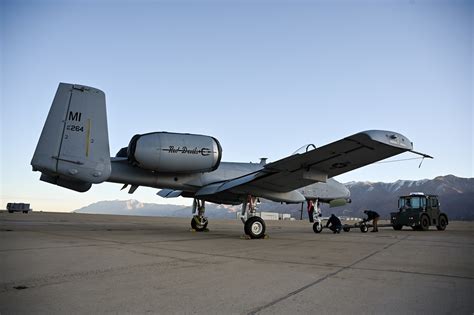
(196, 231)
(246, 237)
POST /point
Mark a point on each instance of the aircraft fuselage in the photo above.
(125, 173)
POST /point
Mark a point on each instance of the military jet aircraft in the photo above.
(73, 152)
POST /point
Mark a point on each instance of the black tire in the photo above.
(397, 227)
(255, 227)
(442, 222)
(346, 229)
(198, 227)
(364, 228)
(424, 222)
(10, 211)
(317, 228)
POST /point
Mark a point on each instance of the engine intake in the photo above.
(175, 152)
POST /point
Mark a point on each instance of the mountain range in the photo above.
(456, 196)
(135, 207)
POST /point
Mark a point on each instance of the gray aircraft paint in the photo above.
(73, 149)
(175, 152)
(73, 152)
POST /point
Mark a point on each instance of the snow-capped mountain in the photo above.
(455, 194)
(135, 207)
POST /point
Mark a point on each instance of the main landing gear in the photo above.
(254, 226)
(199, 221)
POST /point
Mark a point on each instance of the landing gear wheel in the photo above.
(397, 227)
(424, 223)
(255, 227)
(346, 229)
(198, 224)
(317, 227)
(442, 223)
(364, 228)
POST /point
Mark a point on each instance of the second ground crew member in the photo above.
(334, 224)
(374, 217)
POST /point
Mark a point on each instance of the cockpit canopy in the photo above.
(305, 148)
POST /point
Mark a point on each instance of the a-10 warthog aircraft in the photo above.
(73, 152)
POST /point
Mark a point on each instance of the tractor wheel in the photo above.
(442, 222)
(397, 227)
(424, 223)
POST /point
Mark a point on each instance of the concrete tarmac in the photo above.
(78, 263)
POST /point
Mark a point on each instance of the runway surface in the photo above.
(78, 263)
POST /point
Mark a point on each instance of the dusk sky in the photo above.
(263, 77)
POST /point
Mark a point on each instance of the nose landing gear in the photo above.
(317, 226)
(314, 214)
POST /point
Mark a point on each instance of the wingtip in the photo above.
(390, 138)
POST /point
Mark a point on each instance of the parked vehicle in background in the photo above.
(419, 211)
(18, 207)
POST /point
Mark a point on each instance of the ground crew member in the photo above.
(374, 216)
(311, 210)
(334, 224)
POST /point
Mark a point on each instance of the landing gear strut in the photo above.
(314, 214)
(254, 226)
(199, 221)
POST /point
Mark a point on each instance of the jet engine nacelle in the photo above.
(175, 152)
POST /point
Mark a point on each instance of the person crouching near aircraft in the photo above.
(374, 217)
(334, 224)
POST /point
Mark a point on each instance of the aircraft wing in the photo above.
(318, 165)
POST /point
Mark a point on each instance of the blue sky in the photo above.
(263, 77)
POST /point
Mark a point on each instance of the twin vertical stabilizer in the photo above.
(73, 149)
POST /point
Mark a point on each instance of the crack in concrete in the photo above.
(314, 283)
